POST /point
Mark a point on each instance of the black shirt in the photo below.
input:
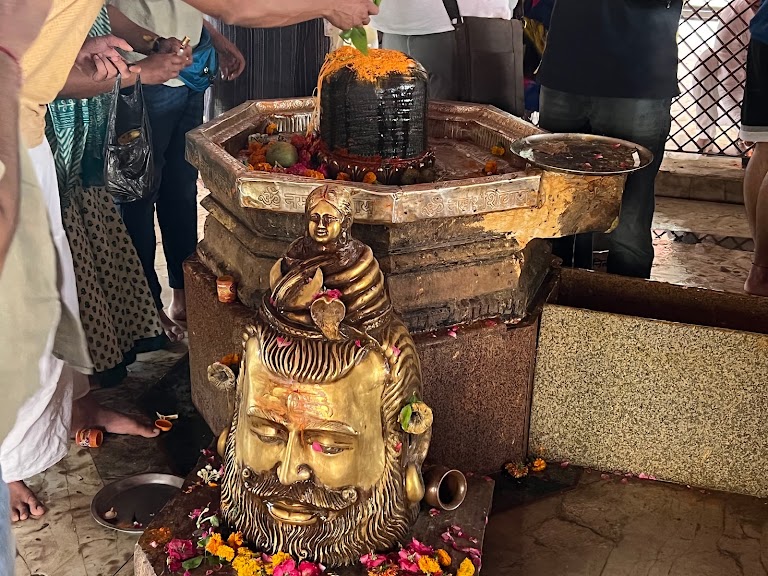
(613, 48)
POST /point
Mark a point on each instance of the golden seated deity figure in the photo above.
(323, 457)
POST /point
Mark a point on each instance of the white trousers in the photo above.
(41, 435)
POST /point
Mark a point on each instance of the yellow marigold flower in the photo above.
(428, 565)
(443, 558)
(466, 568)
(235, 540)
(214, 543)
(248, 566)
(279, 558)
(271, 128)
(497, 150)
(245, 552)
(225, 553)
(538, 465)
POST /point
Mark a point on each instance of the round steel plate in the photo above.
(135, 499)
(582, 154)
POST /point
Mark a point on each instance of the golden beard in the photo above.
(349, 523)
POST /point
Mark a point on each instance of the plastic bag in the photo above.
(128, 165)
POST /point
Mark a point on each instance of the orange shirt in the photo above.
(47, 63)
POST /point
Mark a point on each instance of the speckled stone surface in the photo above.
(684, 403)
(478, 383)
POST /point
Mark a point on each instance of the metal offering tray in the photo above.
(461, 136)
(582, 154)
(136, 500)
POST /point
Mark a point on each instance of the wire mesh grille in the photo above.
(712, 40)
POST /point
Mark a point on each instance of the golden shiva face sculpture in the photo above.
(317, 461)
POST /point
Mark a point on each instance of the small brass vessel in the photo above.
(445, 488)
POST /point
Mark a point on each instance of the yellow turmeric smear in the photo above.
(376, 64)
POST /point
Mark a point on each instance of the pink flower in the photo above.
(334, 294)
(565, 464)
(408, 561)
(282, 342)
(309, 569)
(181, 549)
(398, 447)
(371, 561)
(187, 573)
(317, 447)
(153, 544)
(358, 344)
(287, 568)
(420, 548)
(446, 537)
(174, 564)
(195, 513)
(396, 351)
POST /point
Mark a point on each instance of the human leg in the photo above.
(177, 199)
(7, 545)
(563, 112)
(756, 202)
(754, 128)
(437, 53)
(164, 108)
(647, 123)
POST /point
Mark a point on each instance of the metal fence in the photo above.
(712, 40)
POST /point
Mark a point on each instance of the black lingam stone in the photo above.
(377, 126)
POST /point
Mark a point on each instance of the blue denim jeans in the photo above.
(642, 121)
(7, 546)
(173, 111)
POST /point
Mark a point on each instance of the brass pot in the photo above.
(445, 488)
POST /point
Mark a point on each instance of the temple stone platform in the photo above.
(655, 379)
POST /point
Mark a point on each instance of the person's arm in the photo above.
(344, 14)
(231, 60)
(9, 152)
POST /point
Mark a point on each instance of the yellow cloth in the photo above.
(47, 63)
(29, 299)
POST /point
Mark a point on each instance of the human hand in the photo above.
(99, 59)
(159, 68)
(20, 23)
(175, 46)
(231, 60)
(347, 14)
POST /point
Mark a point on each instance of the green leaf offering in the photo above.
(192, 563)
(405, 417)
(358, 36)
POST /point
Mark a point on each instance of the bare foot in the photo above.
(24, 503)
(173, 330)
(177, 311)
(88, 413)
(757, 281)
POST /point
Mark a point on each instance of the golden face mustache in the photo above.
(267, 487)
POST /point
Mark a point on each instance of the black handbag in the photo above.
(489, 60)
(128, 163)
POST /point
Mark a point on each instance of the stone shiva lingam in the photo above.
(324, 453)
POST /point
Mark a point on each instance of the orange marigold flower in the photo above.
(343, 176)
(214, 543)
(369, 178)
(235, 540)
(538, 465)
(271, 128)
(443, 558)
(263, 167)
(490, 168)
(428, 565)
(498, 150)
(466, 568)
(316, 174)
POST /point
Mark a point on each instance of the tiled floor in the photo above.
(564, 535)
